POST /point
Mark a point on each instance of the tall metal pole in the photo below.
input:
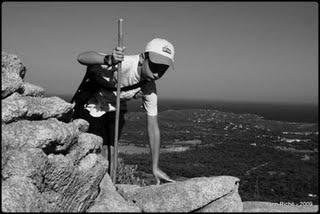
(115, 152)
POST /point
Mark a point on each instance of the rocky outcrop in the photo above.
(17, 107)
(73, 188)
(109, 200)
(230, 202)
(49, 163)
(51, 134)
(203, 194)
(19, 194)
(29, 89)
(12, 74)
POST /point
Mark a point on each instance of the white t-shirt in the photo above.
(104, 100)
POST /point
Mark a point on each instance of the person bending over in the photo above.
(95, 99)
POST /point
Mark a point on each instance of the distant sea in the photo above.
(306, 113)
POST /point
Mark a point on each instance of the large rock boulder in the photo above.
(51, 135)
(29, 89)
(12, 74)
(18, 107)
(186, 196)
(19, 194)
(230, 202)
(109, 200)
(77, 185)
(30, 162)
(49, 163)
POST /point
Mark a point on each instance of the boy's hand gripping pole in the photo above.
(115, 148)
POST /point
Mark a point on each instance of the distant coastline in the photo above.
(304, 113)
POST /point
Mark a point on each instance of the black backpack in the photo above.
(88, 87)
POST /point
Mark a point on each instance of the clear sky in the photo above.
(235, 51)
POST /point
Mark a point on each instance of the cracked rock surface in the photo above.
(17, 107)
(49, 163)
(202, 194)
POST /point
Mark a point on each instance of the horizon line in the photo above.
(316, 103)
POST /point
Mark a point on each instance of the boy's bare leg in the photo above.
(110, 150)
(107, 153)
(104, 151)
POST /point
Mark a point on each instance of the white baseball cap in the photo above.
(161, 52)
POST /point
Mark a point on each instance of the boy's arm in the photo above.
(154, 140)
(91, 58)
(94, 58)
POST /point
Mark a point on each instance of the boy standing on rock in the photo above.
(96, 96)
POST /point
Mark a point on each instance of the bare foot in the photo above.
(160, 174)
